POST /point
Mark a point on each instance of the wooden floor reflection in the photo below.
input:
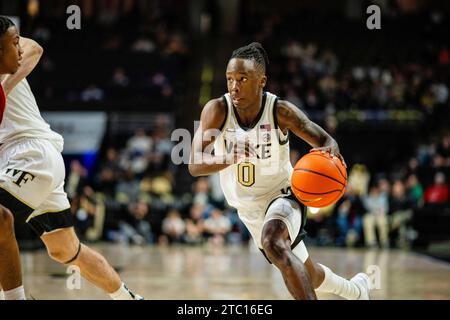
(182, 272)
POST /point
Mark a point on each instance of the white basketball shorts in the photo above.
(286, 209)
(32, 176)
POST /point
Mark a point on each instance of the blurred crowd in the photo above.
(322, 62)
(313, 79)
(138, 49)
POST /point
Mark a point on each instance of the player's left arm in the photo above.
(32, 53)
(289, 117)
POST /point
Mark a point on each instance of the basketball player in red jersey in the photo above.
(261, 195)
(10, 57)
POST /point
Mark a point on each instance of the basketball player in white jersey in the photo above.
(32, 187)
(255, 177)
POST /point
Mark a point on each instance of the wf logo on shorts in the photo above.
(22, 176)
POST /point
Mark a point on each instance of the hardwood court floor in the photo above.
(182, 272)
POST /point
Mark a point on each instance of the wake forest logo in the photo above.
(263, 146)
(21, 177)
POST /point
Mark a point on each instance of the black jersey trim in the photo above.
(258, 117)
(226, 114)
(275, 122)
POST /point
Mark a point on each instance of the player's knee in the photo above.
(62, 254)
(276, 249)
(6, 224)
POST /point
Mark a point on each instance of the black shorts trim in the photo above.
(51, 221)
(20, 210)
(302, 232)
(45, 222)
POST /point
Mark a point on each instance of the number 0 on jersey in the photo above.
(246, 174)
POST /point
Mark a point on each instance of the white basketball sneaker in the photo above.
(133, 295)
(362, 281)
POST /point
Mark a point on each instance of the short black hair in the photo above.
(254, 51)
(5, 24)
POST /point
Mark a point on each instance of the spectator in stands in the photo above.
(415, 191)
(88, 214)
(128, 188)
(412, 166)
(438, 193)
(384, 186)
(350, 210)
(377, 206)
(194, 225)
(138, 151)
(120, 78)
(201, 191)
(135, 228)
(140, 143)
(160, 83)
(106, 182)
(111, 161)
(359, 179)
(176, 45)
(160, 157)
(143, 44)
(216, 227)
(76, 180)
(400, 212)
(443, 149)
(173, 227)
(92, 93)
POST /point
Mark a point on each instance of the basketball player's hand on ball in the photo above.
(332, 150)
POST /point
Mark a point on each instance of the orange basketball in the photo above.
(318, 179)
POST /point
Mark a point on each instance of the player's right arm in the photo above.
(32, 53)
(203, 163)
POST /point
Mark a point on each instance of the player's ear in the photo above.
(263, 81)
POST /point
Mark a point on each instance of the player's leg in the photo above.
(52, 221)
(20, 191)
(289, 213)
(325, 280)
(277, 246)
(55, 227)
(64, 247)
(10, 268)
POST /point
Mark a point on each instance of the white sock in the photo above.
(335, 284)
(15, 294)
(122, 294)
(2, 296)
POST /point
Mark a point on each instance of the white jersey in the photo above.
(22, 118)
(251, 185)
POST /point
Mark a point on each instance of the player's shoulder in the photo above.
(215, 112)
(283, 109)
(287, 114)
(216, 106)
